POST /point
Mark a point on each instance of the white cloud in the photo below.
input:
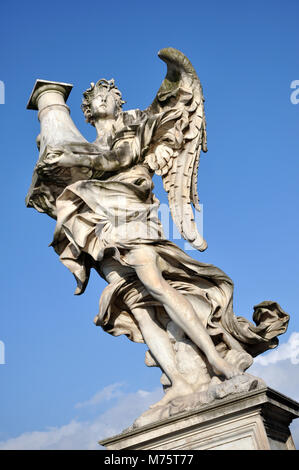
(279, 369)
(289, 350)
(86, 434)
(109, 392)
(282, 376)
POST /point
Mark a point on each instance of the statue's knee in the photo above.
(138, 315)
(143, 319)
(156, 288)
(142, 256)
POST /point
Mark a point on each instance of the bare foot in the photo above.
(178, 389)
(222, 367)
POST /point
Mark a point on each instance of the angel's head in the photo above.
(102, 100)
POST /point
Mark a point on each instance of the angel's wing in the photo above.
(179, 136)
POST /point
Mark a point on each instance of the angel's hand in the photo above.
(50, 162)
(51, 157)
(161, 159)
(62, 159)
(69, 160)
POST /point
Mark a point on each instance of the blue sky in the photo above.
(246, 55)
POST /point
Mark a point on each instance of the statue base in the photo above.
(254, 420)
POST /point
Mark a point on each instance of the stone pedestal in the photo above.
(256, 420)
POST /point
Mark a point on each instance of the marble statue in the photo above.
(101, 195)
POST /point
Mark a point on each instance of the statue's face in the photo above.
(104, 105)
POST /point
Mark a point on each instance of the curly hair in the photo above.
(93, 91)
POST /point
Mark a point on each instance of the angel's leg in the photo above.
(145, 262)
(160, 347)
(155, 338)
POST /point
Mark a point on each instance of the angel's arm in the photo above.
(98, 159)
(91, 157)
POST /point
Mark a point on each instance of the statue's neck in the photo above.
(105, 128)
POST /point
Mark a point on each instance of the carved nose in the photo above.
(103, 99)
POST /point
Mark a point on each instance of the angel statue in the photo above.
(101, 195)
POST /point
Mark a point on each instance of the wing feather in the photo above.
(178, 140)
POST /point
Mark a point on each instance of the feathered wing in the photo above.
(179, 136)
